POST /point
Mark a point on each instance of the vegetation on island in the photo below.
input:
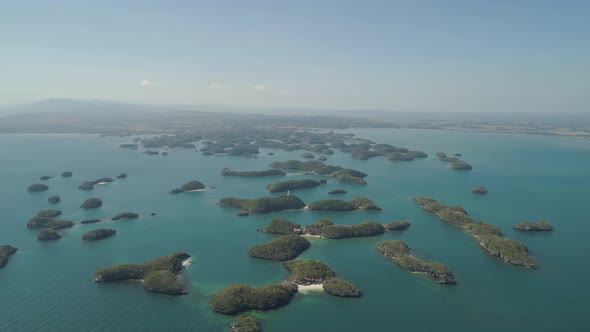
(245, 323)
(308, 155)
(122, 176)
(366, 228)
(399, 253)
(270, 172)
(397, 225)
(159, 275)
(541, 226)
(45, 177)
(280, 226)
(403, 156)
(125, 215)
(291, 185)
(67, 174)
(314, 271)
(189, 186)
(281, 249)
(87, 185)
(48, 234)
(48, 213)
(511, 251)
(334, 205)
(319, 168)
(342, 288)
(90, 221)
(337, 192)
(479, 190)
(5, 252)
(238, 298)
(98, 234)
(91, 203)
(37, 187)
(264, 204)
(43, 222)
(54, 199)
(455, 163)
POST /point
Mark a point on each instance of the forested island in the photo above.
(48, 213)
(189, 186)
(488, 236)
(399, 253)
(397, 225)
(326, 228)
(91, 203)
(291, 185)
(67, 174)
(270, 172)
(98, 234)
(455, 163)
(479, 190)
(263, 205)
(319, 168)
(54, 199)
(541, 226)
(238, 298)
(281, 226)
(336, 205)
(37, 187)
(337, 192)
(283, 248)
(48, 235)
(5, 252)
(43, 222)
(125, 215)
(244, 323)
(307, 272)
(160, 275)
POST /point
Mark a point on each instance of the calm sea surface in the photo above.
(47, 286)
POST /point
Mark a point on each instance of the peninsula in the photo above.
(263, 205)
(280, 226)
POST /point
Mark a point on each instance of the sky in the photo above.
(414, 55)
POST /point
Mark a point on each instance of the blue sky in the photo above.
(394, 55)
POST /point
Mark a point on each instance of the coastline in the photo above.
(310, 288)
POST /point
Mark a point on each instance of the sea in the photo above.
(48, 286)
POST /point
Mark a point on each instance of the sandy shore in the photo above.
(196, 190)
(102, 183)
(311, 236)
(312, 287)
(187, 262)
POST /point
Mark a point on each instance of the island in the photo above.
(48, 213)
(245, 323)
(281, 249)
(280, 226)
(91, 203)
(399, 253)
(98, 234)
(270, 172)
(67, 174)
(323, 181)
(397, 225)
(319, 168)
(131, 146)
(337, 192)
(43, 222)
(292, 185)
(125, 215)
(189, 187)
(37, 187)
(541, 226)
(326, 228)
(488, 236)
(45, 177)
(322, 158)
(160, 275)
(238, 298)
(54, 199)
(90, 221)
(264, 205)
(87, 185)
(5, 252)
(308, 155)
(317, 275)
(342, 288)
(479, 190)
(337, 205)
(48, 235)
(400, 156)
(122, 176)
(455, 163)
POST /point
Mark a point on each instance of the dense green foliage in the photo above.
(300, 270)
(281, 249)
(400, 156)
(125, 215)
(317, 227)
(397, 225)
(45, 177)
(91, 203)
(342, 288)
(98, 234)
(337, 192)
(319, 168)
(399, 253)
(165, 282)
(48, 234)
(363, 203)
(366, 228)
(90, 221)
(541, 226)
(37, 187)
(331, 205)
(54, 199)
(510, 251)
(48, 213)
(264, 204)
(270, 172)
(238, 298)
(5, 252)
(244, 323)
(280, 226)
(189, 186)
(42, 222)
(291, 185)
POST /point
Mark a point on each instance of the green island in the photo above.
(337, 205)
(270, 172)
(263, 205)
(122, 176)
(280, 226)
(455, 163)
(189, 186)
(540, 226)
(480, 190)
(125, 215)
(54, 199)
(319, 168)
(337, 192)
(37, 187)
(342, 288)
(291, 185)
(326, 228)
(67, 174)
(402, 156)
(313, 272)
(399, 253)
(160, 275)
(98, 234)
(91, 203)
(238, 298)
(281, 249)
(5, 252)
(42, 222)
(48, 235)
(89, 185)
(245, 323)
(488, 236)
(48, 213)
(45, 177)
(397, 225)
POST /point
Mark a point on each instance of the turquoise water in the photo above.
(48, 286)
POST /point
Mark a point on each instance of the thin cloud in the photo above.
(215, 85)
(285, 92)
(258, 87)
(145, 83)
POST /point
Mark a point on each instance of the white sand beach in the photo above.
(187, 262)
(310, 288)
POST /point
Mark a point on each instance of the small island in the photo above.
(399, 253)
(337, 192)
(245, 323)
(397, 225)
(326, 228)
(160, 275)
(238, 298)
(45, 177)
(281, 226)
(43, 222)
(292, 185)
(281, 249)
(189, 187)
(5, 252)
(125, 215)
(48, 235)
(122, 176)
(48, 213)
(264, 205)
(90, 221)
(319, 168)
(540, 226)
(342, 288)
(37, 187)
(336, 205)
(98, 234)
(67, 174)
(480, 190)
(87, 185)
(54, 199)
(91, 203)
(317, 275)
(270, 172)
